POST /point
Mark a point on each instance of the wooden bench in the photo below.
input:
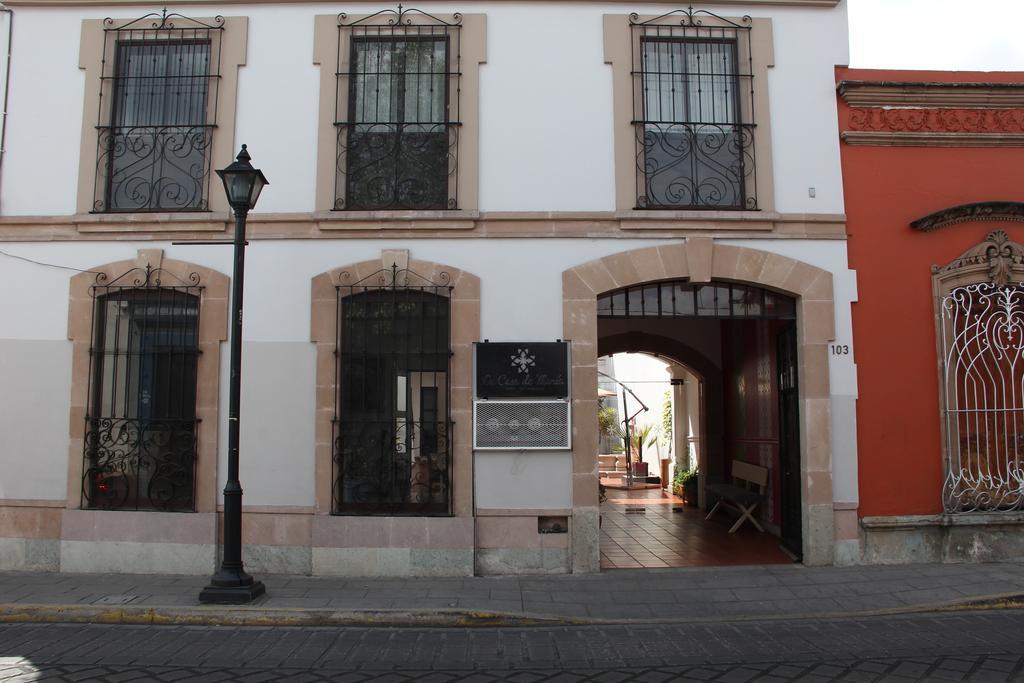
(740, 495)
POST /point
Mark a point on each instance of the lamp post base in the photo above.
(231, 589)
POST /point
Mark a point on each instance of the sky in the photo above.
(967, 35)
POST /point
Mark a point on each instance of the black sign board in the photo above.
(522, 369)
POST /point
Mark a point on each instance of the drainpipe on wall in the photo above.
(7, 88)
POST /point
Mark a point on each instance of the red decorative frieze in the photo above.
(907, 120)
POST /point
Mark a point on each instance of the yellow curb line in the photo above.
(240, 615)
(249, 616)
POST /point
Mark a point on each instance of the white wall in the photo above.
(545, 110)
(522, 480)
(520, 300)
(802, 95)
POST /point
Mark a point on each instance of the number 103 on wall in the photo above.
(839, 349)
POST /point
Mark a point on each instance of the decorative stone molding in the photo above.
(424, 225)
(930, 139)
(904, 114)
(966, 213)
(905, 93)
(995, 259)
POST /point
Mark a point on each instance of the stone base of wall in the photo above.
(29, 554)
(131, 557)
(942, 538)
(517, 542)
(370, 562)
(848, 553)
(501, 561)
(277, 559)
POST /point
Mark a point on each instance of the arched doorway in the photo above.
(697, 261)
(743, 339)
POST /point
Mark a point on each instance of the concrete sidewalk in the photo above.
(618, 596)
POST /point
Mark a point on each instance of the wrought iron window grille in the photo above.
(140, 422)
(980, 307)
(682, 299)
(397, 111)
(693, 111)
(159, 82)
(392, 427)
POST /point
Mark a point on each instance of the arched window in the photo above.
(683, 299)
(140, 431)
(980, 318)
(392, 445)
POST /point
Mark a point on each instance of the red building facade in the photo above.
(934, 191)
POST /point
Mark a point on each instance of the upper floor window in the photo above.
(158, 98)
(397, 112)
(693, 112)
(141, 426)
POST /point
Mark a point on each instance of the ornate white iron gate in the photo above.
(983, 376)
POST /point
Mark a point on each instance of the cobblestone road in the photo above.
(978, 646)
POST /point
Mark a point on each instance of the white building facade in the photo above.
(439, 176)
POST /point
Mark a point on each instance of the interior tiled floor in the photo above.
(659, 537)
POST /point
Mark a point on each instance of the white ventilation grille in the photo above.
(521, 425)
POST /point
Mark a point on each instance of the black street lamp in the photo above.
(231, 584)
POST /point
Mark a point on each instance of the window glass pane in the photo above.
(722, 300)
(604, 305)
(619, 304)
(684, 298)
(786, 307)
(755, 302)
(667, 305)
(425, 82)
(739, 296)
(398, 81)
(651, 300)
(689, 80)
(373, 94)
(664, 81)
(706, 300)
(710, 82)
(161, 83)
(635, 295)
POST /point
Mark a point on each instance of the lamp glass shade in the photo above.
(242, 182)
(242, 186)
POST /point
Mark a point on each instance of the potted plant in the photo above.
(639, 437)
(608, 424)
(684, 485)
